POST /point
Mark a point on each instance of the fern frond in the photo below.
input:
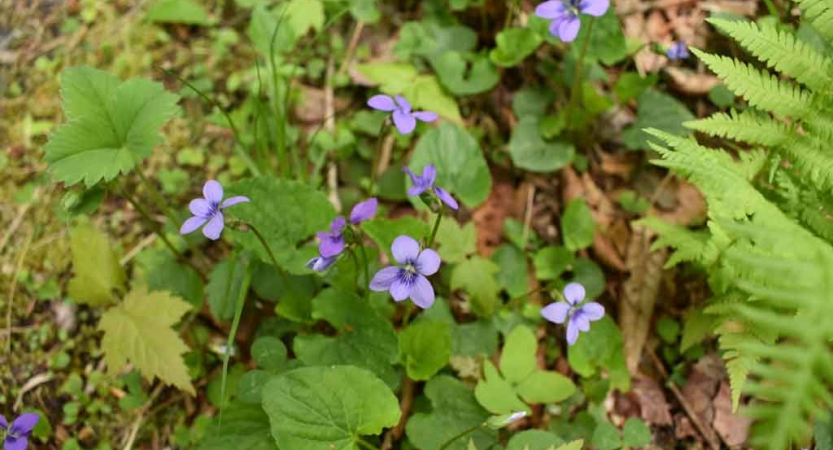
(811, 207)
(812, 158)
(780, 50)
(820, 14)
(762, 90)
(747, 126)
(689, 245)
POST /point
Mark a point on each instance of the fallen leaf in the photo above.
(654, 407)
(691, 83)
(702, 385)
(504, 201)
(733, 428)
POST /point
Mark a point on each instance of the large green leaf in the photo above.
(517, 360)
(607, 42)
(656, 110)
(476, 276)
(496, 394)
(513, 270)
(461, 167)
(577, 225)
(162, 272)
(328, 408)
(384, 231)
(531, 152)
(534, 440)
(225, 282)
(285, 212)
(111, 127)
(95, 262)
(265, 24)
(425, 347)
(455, 74)
(545, 387)
(365, 339)
(601, 347)
(454, 410)
(243, 427)
(514, 45)
(456, 242)
(139, 331)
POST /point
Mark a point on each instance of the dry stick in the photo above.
(330, 126)
(530, 197)
(134, 430)
(707, 433)
(13, 287)
(351, 48)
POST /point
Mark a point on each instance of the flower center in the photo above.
(572, 5)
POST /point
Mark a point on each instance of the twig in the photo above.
(707, 433)
(351, 48)
(134, 429)
(32, 383)
(138, 248)
(530, 198)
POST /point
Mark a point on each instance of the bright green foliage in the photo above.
(514, 45)
(601, 348)
(162, 272)
(456, 242)
(177, 11)
(224, 284)
(534, 440)
(111, 127)
(476, 276)
(365, 338)
(636, 433)
(95, 262)
(326, 408)
(461, 167)
(243, 427)
(139, 331)
(606, 437)
(453, 410)
(425, 347)
(747, 126)
(820, 14)
(577, 225)
(520, 378)
(384, 231)
(657, 110)
(269, 353)
(550, 262)
(531, 152)
(285, 212)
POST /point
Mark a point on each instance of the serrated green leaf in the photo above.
(286, 213)
(224, 284)
(139, 331)
(425, 347)
(177, 11)
(111, 126)
(545, 387)
(517, 360)
(514, 45)
(496, 394)
(512, 275)
(636, 433)
(243, 427)
(606, 437)
(577, 225)
(550, 262)
(530, 152)
(461, 167)
(456, 242)
(476, 276)
(327, 408)
(453, 410)
(269, 353)
(534, 440)
(95, 262)
(365, 339)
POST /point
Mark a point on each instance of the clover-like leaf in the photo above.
(139, 331)
(476, 276)
(365, 339)
(95, 262)
(111, 127)
(514, 45)
(327, 408)
(496, 394)
(462, 74)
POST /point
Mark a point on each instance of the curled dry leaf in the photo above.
(654, 407)
(733, 428)
(691, 83)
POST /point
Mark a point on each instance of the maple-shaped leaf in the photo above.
(95, 261)
(139, 331)
(111, 126)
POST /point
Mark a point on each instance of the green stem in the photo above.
(463, 434)
(356, 264)
(157, 197)
(773, 10)
(366, 444)
(280, 117)
(282, 273)
(436, 226)
(575, 91)
(238, 312)
(374, 158)
(238, 147)
(365, 264)
(155, 226)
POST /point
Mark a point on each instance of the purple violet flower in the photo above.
(404, 119)
(579, 316)
(332, 242)
(209, 209)
(409, 279)
(17, 436)
(320, 263)
(426, 181)
(564, 15)
(677, 51)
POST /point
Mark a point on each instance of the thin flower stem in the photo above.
(281, 272)
(238, 312)
(156, 227)
(365, 264)
(575, 91)
(374, 158)
(436, 226)
(356, 264)
(463, 434)
(157, 197)
(406, 316)
(366, 444)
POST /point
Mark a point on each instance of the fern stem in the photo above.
(773, 10)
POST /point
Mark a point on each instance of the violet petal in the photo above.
(404, 122)
(364, 210)
(213, 192)
(446, 198)
(191, 225)
(214, 227)
(405, 249)
(234, 201)
(556, 312)
(384, 278)
(428, 262)
(381, 103)
(574, 293)
(422, 293)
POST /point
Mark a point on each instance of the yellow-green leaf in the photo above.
(95, 261)
(139, 331)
